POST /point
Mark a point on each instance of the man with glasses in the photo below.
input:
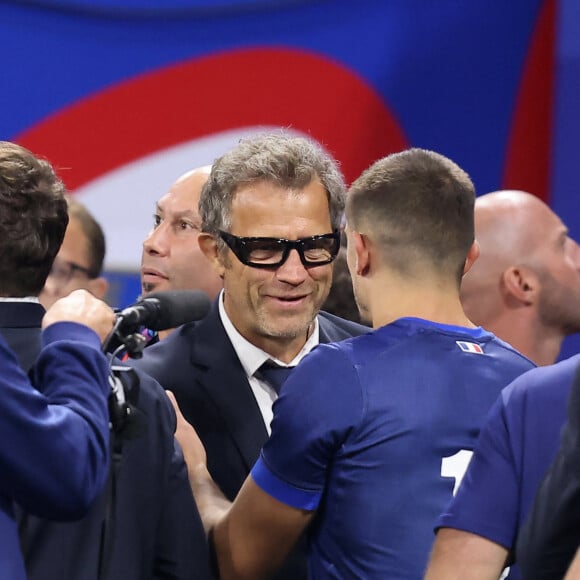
(271, 213)
(79, 262)
(371, 435)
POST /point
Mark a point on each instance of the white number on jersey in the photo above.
(456, 466)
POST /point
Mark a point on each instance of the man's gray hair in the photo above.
(286, 161)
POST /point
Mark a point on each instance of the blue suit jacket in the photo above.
(153, 526)
(199, 364)
(53, 461)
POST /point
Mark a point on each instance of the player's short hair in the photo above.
(418, 205)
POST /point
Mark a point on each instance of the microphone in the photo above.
(157, 311)
(163, 310)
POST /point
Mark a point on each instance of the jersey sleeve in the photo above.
(550, 536)
(320, 405)
(487, 501)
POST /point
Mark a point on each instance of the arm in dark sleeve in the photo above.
(54, 441)
(551, 534)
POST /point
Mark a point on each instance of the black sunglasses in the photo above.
(273, 252)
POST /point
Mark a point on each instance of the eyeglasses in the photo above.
(63, 271)
(273, 252)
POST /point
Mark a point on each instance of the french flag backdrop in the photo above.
(122, 96)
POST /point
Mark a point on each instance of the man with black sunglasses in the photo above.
(271, 212)
(371, 435)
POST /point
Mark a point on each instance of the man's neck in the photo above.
(285, 349)
(394, 299)
(539, 343)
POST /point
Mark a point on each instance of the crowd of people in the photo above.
(416, 435)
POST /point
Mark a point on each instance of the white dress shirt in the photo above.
(253, 357)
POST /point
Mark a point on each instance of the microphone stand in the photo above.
(132, 341)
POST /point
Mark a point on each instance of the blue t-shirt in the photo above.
(518, 443)
(363, 430)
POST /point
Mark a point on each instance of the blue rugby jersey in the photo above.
(366, 432)
(518, 442)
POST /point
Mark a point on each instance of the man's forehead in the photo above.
(177, 213)
(185, 191)
(281, 205)
(542, 216)
(176, 204)
(262, 190)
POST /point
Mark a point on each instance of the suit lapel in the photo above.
(335, 329)
(222, 377)
(327, 331)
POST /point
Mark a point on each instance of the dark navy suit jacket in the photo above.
(199, 364)
(20, 327)
(152, 524)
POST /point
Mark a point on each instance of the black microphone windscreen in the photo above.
(176, 307)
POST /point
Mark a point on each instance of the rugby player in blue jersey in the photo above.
(370, 435)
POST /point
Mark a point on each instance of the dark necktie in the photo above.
(273, 374)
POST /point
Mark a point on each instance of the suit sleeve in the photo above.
(551, 534)
(54, 440)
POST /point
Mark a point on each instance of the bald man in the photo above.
(525, 286)
(172, 259)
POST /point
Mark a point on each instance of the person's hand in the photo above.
(82, 307)
(191, 445)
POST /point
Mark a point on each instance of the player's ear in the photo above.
(472, 256)
(362, 253)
